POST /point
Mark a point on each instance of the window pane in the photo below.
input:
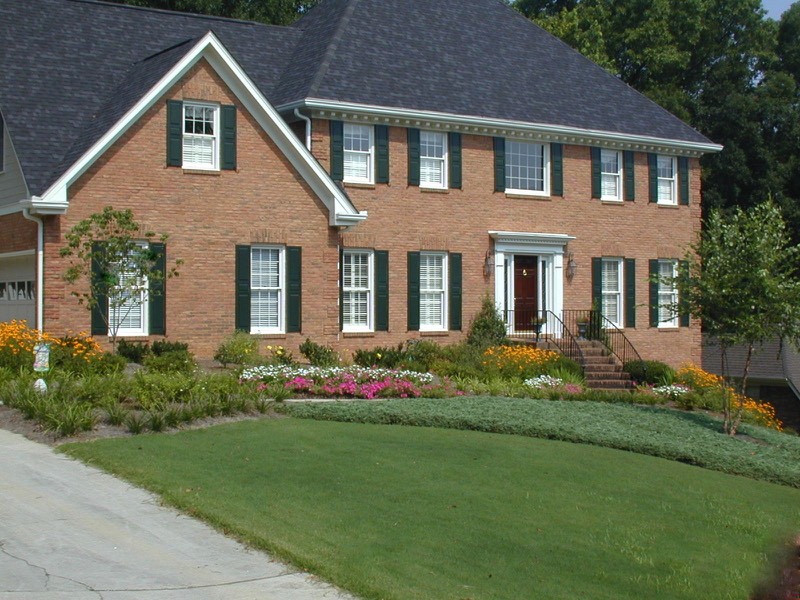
(431, 275)
(430, 309)
(198, 150)
(431, 144)
(665, 166)
(665, 190)
(265, 268)
(264, 308)
(356, 308)
(611, 308)
(610, 276)
(525, 166)
(610, 185)
(356, 166)
(431, 171)
(356, 137)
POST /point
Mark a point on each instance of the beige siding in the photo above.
(12, 182)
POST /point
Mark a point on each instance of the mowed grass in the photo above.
(408, 512)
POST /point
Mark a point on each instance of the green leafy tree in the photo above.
(742, 283)
(272, 12)
(111, 252)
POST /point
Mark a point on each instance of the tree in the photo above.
(271, 12)
(741, 282)
(116, 258)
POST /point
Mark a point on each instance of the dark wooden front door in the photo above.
(526, 289)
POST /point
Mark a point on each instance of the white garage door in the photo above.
(18, 289)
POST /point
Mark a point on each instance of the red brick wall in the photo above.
(405, 218)
(16, 233)
(206, 215)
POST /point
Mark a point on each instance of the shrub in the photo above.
(318, 355)
(162, 347)
(651, 372)
(133, 351)
(239, 349)
(154, 389)
(487, 328)
(177, 361)
(382, 356)
(420, 355)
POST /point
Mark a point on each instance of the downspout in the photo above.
(299, 115)
(26, 212)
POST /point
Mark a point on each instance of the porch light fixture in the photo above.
(488, 263)
(572, 267)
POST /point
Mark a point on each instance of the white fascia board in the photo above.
(502, 127)
(523, 237)
(210, 48)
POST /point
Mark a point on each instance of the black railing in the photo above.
(592, 325)
(544, 325)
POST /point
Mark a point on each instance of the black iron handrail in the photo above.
(536, 324)
(592, 325)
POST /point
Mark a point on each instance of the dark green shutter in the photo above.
(341, 289)
(294, 278)
(228, 137)
(654, 293)
(413, 156)
(596, 174)
(337, 150)
(499, 164)
(630, 179)
(157, 297)
(243, 288)
(652, 164)
(174, 133)
(454, 155)
(683, 179)
(682, 305)
(381, 154)
(557, 171)
(597, 282)
(100, 309)
(455, 291)
(413, 291)
(381, 290)
(630, 292)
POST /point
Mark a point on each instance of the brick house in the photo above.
(363, 177)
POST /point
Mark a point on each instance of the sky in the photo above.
(775, 8)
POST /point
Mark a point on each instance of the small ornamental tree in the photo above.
(121, 263)
(742, 283)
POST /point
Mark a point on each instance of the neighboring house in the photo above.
(773, 376)
(363, 177)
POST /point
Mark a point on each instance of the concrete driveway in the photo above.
(71, 532)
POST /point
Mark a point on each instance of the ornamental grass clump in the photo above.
(521, 362)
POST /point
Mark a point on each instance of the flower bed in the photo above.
(349, 382)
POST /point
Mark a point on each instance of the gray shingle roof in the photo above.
(467, 57)
(71, 68)
(64, 63)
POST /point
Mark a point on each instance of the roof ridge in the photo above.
(336, 38)
(164, 11)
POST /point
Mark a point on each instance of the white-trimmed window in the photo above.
(267, 285)
(357, 290)
(667, 293)
(128, 305)
(612, 297)
(527, 167)
(610, 174)
(432, 291)
(200, 136)
(667, 180)
(432, 159)
(359, 153)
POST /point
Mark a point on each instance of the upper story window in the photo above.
(200, 136)
(611, 174)
(667, 180)
(359, 148)
(527, 167)
(433, 159)
(267, 283)
(357, 290)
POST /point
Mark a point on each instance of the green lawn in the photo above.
(409, 512)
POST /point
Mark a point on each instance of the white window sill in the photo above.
(261, 331)
(611, 200)
(668, 204)
(347, 329)
(127, 334)
(527, 192)
(358, 182)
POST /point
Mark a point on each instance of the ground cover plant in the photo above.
(411, 512)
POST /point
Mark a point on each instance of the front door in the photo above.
(526, 287)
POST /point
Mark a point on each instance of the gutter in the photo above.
(26, 212)
(301, 116)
